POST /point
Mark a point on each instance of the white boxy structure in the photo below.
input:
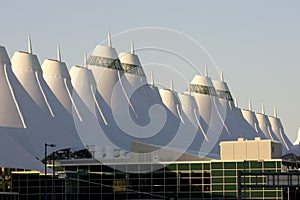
(256, 149)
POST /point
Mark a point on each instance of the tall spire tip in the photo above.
(85, 60)
(221, 75)
(262, 108)
(58, 53)
(275, 112)
(151, 79)
(132, 46)
(236, 102)
(250, 105)
(189, 88)
(108, 38)
(206, 71)
(29, 44)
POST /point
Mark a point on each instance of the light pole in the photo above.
(53, 175)
(47, 145)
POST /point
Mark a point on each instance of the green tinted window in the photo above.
(278, 164)
(269, 164)
(196, 166)
(217, 193)
(270, 188)
(256, 170)
(256, 194)
(217, 180)
(171, 167)
(217, 165)
(230, 173)
(229, 165)
(183, 167)
(245, 179)
(230, 187)
(270, 194)
(217, 173)
(257, 179)
(230, 180)
(217, 187)
(243, 165)
(230, 194)
(206, 166)
(255, 164)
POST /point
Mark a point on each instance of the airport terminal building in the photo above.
(101, 131)
(187, 178)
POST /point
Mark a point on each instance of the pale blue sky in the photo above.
(257, 43)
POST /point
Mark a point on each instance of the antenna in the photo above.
(108, 38)
(151, 79)
(189, 88)
(236, 102)
(29, 44)
(206, 71)
(250, 105)
(58, 53)
(132, 46)
(172, 85)
(275, 112)
(262, 108)
(221, 75)
(84, 60)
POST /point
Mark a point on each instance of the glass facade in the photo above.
(180, 180)
(224, 95)
(133, 69)
(202, 89)
(105, 62)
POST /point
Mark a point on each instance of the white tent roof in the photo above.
(84, 84)
(85, 92)
(202, 80)
(170, 99)
(11, 115)
(27, 69)
(42, 106)
(235, 123)
(135, 74)
(14, 155)
(265, 126)
(278, 129)
(58, 79)
(105, 51)
(220, 85)
(129, 58)
(46, 119)
(297, 141)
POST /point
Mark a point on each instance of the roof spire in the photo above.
(29, 44)
(108, 38)
(172, 85)
(262, 108)
(206, 71)
(221, 75)
(236, 102)
(275, 112)
(151, 79)
(189, 88)
(132, 46)
(58, 53)
(250, 105)
(84, 60)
